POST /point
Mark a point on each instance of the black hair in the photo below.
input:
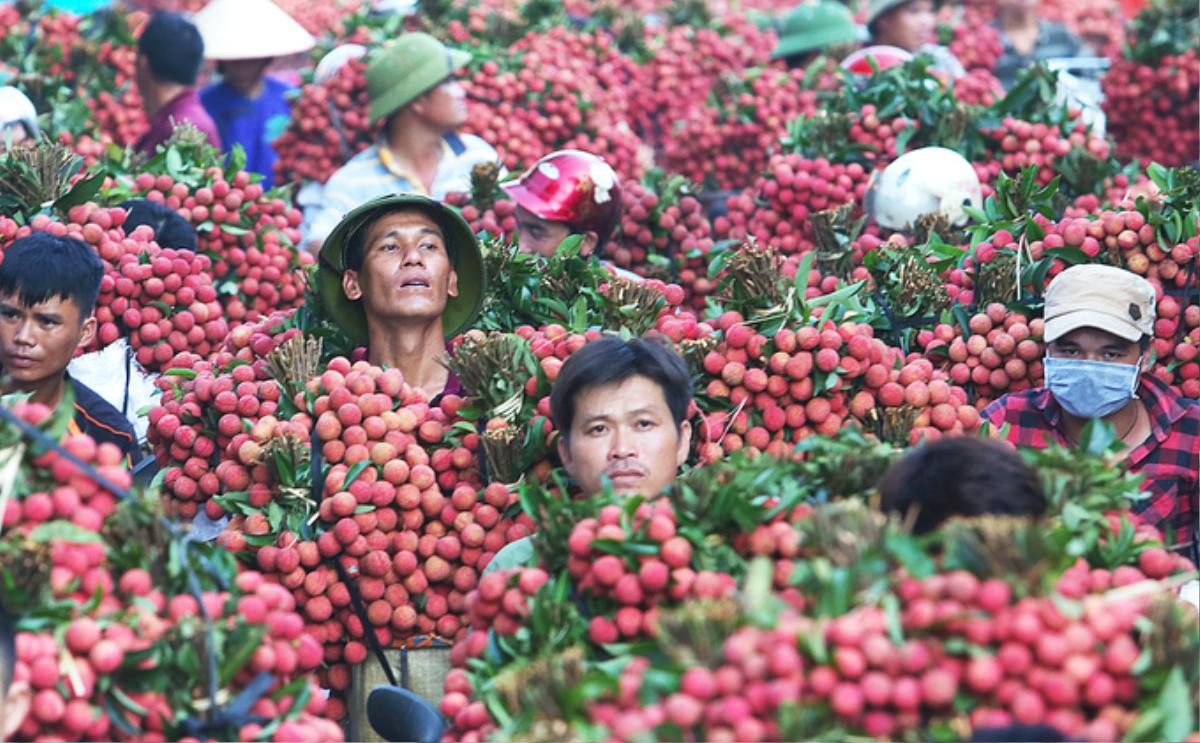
(356, 241)
(42, 266)
(610, 360)
(1029, 733)
(8, 649)
(1144, 343)
(173, 48)
(960, 476)
(170, 229)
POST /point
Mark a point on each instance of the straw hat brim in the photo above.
(250, 29)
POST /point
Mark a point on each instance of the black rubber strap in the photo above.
(357, 604)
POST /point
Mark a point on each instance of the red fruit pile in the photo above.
(775, 211)
(206, 404)
(162, 300)
(1020, 144)
(330, 124)
(725, 143)
(497, 220)
(1003, 352)
(501, 602)
(636, 587)
(663, 226)
(972, 39)
(252, 238)
(1152, 108)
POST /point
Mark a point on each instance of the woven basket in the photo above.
(420, 670)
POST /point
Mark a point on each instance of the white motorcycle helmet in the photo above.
(925, 181)
(17, 110)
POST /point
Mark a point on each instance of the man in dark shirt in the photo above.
(48, 289)
(170, 52)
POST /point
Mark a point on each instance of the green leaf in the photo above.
(82, 192)
(1178, 707)
(354, 471)
(239, 647)
(63, 531)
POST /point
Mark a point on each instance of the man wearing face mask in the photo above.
(1099, 325)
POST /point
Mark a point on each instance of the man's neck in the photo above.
(414, 350)
(1123, 421)
(416, 147)
(160, 95)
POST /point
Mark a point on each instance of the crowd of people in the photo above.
(401, 273)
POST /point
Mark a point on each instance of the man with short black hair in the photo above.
(48, 289)
(960, 476)
(1099, 323)
(621, 408)
(170, 52)
(621, 411)
(15, 696)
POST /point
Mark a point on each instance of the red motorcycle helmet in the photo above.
(884, 57)
(574, 187)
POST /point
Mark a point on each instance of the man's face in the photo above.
(1093, 344)
(406, 272)
(541, 236)
(624, 431)
(37, 342)
(445, 106)
(244, 75)
(909, 26)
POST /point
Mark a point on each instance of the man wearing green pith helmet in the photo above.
(813, 28)
(401, 274)
(413, 90)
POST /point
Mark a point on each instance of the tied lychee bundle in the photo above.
(663, 225)
(633, 565)
(790, 191)
(979, 87)
(568, 89)
(330, 124)
(57, 489)
(972, 39)
(162, 300)
(684, 65)
(726, 142)
(501, 602)
(1003, 352)
(94, 666)
(1018, 144)
(250, 236)
(1151, 108)
(204, 406)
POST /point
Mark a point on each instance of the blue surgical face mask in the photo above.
(1091, 389)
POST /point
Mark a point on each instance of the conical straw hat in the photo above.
(250, 29)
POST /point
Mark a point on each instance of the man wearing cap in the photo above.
(413, 91)
(568, 192)
(18, 118)
(249, 107)
(911, 25)
(401, 274)
(1099, 326)
(812, 28)
(170, 52)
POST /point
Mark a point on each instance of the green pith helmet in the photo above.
(400, 71)
(465, 257)
(815, 25)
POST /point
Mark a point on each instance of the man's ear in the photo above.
(685, 443)
(88, 332)
(589, 243)
(452, 283)
(350, 285)
(16, 707)
(564, 454)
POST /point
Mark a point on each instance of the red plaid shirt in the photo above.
(1169, 459)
